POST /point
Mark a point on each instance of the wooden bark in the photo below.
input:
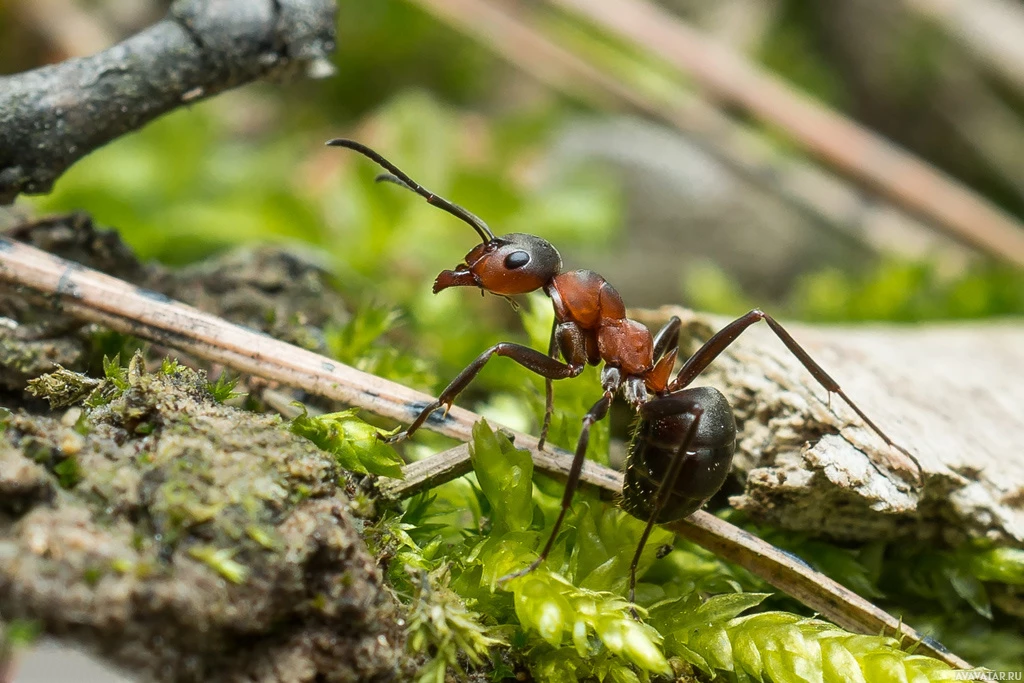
(951, 394)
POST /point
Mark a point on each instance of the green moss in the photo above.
(199, 478)
(92, 575)
(224, 388)
(568, 620)
(221, 560)
(193, 519)
(356, 445)
(68, 472)
(15, 636)
(441, 627)
(23, 359)
(265, 536)
(170, 366)
(63, 387)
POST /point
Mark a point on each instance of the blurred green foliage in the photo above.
(895, 292)
(387, 46)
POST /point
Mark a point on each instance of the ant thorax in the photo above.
(585, 298)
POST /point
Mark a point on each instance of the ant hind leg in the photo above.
(728, 334)
(664, 490)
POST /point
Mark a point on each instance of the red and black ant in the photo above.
(682, 446)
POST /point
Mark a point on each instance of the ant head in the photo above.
(507, 265)
(511, 264)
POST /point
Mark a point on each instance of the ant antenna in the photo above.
(395, 175)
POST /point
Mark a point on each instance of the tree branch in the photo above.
(53, 116)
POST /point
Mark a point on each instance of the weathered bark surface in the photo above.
(951, 394)
(53, 116)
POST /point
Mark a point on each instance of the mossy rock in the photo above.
(188, 540)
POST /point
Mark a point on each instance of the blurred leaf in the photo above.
(1002, 565)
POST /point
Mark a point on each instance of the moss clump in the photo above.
(568, 621)
(356, 445)
(63, 387)
(21, 359)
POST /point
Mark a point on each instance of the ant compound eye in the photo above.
(517, 259)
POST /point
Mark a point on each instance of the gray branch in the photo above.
(53, 116)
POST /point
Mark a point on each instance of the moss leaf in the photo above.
(505, 474)
(355, 444)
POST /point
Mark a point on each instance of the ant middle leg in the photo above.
(531, 359)
(579, 348)
(711, 349)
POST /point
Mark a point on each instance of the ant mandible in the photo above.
(683, 443)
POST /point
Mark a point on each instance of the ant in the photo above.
(682, 446)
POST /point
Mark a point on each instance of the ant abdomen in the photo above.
(659, 437)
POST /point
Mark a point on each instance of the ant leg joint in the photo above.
(394, 438)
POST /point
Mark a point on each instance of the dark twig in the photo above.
(93, 296)
(53, 116)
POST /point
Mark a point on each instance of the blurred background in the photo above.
(617, 130)
(545, 117)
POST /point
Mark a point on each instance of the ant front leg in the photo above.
(728, 334)
(530, 359)
(611, 379)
